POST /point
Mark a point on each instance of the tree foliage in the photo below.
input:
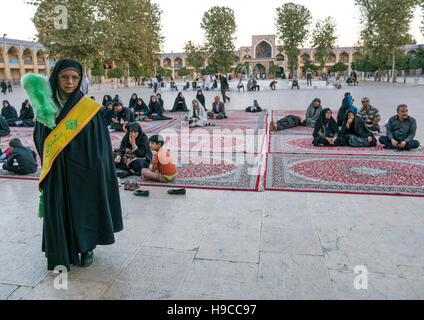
(98, 70)
(219, 26)
(183, 72)
(386, 27)
(310, 65)
(339, 67)
(116, 73)
(323, 39)
(195, 55)
(292, 27)
(125, 31)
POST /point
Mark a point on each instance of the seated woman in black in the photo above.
(160, 100)
(106, 98)
(134, 154)
(132, 102)
(26, 115)
(355, 132)
(141, 111)
(9, 113)
(108, 113)
(4, 127)
(179, 103)
(26, 159)
(326, 131)
(155, 110)
(201, 98)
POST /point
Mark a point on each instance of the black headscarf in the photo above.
(109, 99)
(140, 108)
(9, 113)
(345, 105)
(177, 101)
(322, 122)
(26, 113)
(154, 107)
(200, 96)
(142, 142)
(160, 100)
(133, 101)
(357, 127)
(74, 97)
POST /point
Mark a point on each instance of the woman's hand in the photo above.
(118, 159)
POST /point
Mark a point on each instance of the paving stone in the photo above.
(293, 277)
(379, 287)
(22, 264)
(106, 266)
(415, 277)
(152, 272)
(290, 241)
(232, 240)
(233, 280)
(6, 290)
(76, 290)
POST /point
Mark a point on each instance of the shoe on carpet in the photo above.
(121, 174)
(177, 191)
(87, 258)
(141, 193)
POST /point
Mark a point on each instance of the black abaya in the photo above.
(82, 207)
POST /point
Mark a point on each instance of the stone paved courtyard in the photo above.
(213, 244)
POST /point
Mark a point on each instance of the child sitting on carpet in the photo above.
(163, 167)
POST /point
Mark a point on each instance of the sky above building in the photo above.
(181, 20)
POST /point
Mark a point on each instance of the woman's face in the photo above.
(181, 95)
(153, 99)
(69, 80)
(5, 104)
(139, 102)
(134, 134)
(134, 96)
(159, 96)
(328, 115)
(350, 115)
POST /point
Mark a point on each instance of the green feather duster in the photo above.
(39, 92)
(41, 206)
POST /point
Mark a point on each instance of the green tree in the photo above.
(292, 27)
(310, 65)
(98, 70)
(339, 67)
(195, 55)
(242, 68)
(386, 27)
(79, 38)
(324, 39)
(183, 72)
(132, 31)
(116, 73)
(219, 26)
(209, 70)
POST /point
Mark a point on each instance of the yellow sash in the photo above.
(66, 130)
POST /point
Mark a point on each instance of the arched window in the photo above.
(305, 57)
(27, 56)
(178, 62)
(344, 57)
(263, 50)
(280, 57)
(331, 58)
(12, 55)
(166, 62)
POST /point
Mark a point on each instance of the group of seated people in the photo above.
(9, 117)
(354, 128)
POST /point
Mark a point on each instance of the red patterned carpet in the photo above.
(231, 155)
(386, 175)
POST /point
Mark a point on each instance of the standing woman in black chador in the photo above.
(80, 196)
(201, 98)
(179, 103)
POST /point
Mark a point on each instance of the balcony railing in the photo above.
(28, 62)
(41, 63)
(14, 61)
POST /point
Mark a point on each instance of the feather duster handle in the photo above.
(37, 87)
